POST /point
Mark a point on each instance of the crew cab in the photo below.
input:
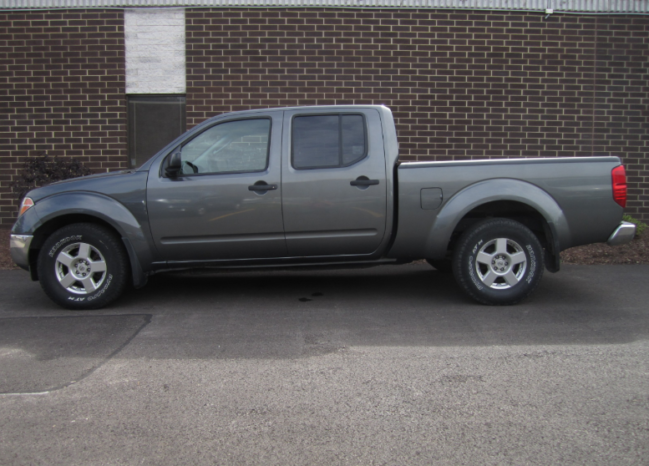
(315, 186)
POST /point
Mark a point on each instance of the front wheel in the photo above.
(83, 266)
(498, 261)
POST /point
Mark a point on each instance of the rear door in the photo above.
(334, 182)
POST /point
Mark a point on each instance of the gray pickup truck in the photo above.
(315, 186)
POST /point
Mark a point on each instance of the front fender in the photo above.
(494, 190)
(75, 204)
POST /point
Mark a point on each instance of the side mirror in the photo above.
(174, 168)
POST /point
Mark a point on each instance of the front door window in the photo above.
(232, 147)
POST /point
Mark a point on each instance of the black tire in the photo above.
(498, 262)
(441, 265)
(83, 266)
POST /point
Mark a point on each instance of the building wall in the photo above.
(462, 85)
(61, 91)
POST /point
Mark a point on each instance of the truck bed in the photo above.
(574, 196)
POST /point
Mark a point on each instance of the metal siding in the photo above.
(612, 6)
(585, 6)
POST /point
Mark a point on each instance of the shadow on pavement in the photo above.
(298, 314)
(39, 354)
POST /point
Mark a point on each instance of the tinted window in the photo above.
(353, 138)
(328, 141)
(235, 146)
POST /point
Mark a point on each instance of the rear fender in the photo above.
(494, 190)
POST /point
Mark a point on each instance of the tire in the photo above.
(498, 262)
(83, 266)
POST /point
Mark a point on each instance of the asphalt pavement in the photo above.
(390, 365)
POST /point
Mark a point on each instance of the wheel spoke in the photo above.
(68, 280)
(99, 266)
(518, 258)
(510, 278)
(89, 284)
(84, 251)
(489, 278)
(484, 258)
(501, 245)
(65, 259)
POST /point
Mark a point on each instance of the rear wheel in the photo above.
(498, 261)
(83, 266)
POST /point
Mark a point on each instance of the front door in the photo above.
(334, 182)
(226, 202)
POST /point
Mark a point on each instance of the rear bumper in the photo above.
(19, 249)
(623, 234)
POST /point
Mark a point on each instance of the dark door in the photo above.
(153, 122)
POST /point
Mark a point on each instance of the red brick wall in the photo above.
(621, 101)
(461, 84)
(61, 91)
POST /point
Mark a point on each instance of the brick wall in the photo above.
(61, 91)
(461, 84)
(621, 101)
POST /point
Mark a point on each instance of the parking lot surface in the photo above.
(391, 365)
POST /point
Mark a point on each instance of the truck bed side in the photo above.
(570, 198)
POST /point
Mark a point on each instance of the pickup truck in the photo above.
(315, 186)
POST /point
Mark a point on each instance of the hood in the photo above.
(103, 183)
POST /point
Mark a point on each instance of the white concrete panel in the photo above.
(155, 51)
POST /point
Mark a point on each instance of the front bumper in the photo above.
(19, 249)
(623, 234)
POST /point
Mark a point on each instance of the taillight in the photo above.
(619, 185)
(25, 205)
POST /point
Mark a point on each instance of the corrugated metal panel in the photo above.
(610, 6)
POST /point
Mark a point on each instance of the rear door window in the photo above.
(328, 141)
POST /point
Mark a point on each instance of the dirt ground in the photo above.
(636, 252)
(5, 259)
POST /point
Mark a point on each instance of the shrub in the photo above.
(640, 226)
(43, 170)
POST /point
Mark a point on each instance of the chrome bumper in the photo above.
(623, 234)
(19, 249)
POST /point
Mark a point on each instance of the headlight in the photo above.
(25, 206)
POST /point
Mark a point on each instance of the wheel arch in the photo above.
(65, 209)
(504, 198)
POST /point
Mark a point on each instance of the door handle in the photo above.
(363, 181)
(261, 186)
